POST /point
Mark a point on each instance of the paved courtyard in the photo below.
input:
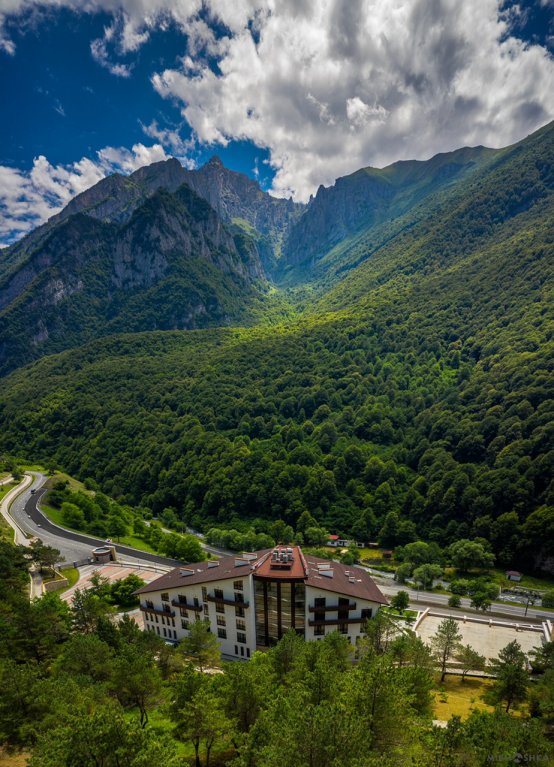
(485, 638)
(114, 572)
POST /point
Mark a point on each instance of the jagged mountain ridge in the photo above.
(344, 226)
(173, 264)
(411, 399)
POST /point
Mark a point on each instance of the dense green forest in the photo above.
(410, 397)
(82, 690)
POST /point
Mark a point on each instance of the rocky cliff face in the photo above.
(368, 197)
(171, 264)
(234, 195)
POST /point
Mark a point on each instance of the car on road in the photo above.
(33, 491)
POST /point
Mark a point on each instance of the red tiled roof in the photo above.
(204, 572)
(291, 569)
(351, 581)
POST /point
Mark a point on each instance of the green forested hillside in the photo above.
(414, 399)
(411, 398)
(172, 264)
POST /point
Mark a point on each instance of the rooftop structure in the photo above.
(252, 599)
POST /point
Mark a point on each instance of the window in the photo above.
(222, 633)
(218, 593)
(319, 602)
(156, 618)
(319, 631)
(196, 602)
(164, 633)
(241, 625)
(237, 585)
(204, 594)
(184, 625)
(248, 652)
(343, 628)
(220, 620)
(182, 599)
(206, 610)
(219, 608)
(149, 604)
(236, 650)
(184, 613)
(241, 638)
(173, 621)
(174, 634)
(239, 612)
(165, 596)
(366, 612)
(239, 596)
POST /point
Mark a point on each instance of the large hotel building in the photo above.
(251, 600)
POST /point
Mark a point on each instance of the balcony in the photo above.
(336, 621)
(186, 605)
(332, 608)
(223, 601)
(157, 611)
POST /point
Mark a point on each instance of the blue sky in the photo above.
(293, 93)
(68, 106)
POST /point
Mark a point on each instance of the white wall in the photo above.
(176, 633)
(226, 585)
(332, 598)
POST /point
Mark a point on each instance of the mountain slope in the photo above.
(414, 399)
(366, 199)
(171, 264)
(238, 199)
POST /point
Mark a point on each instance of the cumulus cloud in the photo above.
(170, 139)
(28, 198)
(331, 86)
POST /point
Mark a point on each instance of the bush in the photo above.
(454, 601)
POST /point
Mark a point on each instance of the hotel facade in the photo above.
(253, 599)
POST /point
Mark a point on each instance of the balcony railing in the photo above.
(186, 605)
(157, 611)
(223, 601)
(332, 608)
(336, 621)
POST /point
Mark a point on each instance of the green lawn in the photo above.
(6, 532)
(497, 575)
(454, 697)
(72, 574)
(5, 489)
(74, 484)
(405, 614)
(55, 515)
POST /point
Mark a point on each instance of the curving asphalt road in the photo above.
(77, 546)
(73, 546)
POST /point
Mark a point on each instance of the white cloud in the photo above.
(99, 52)
(329, 87)
(28, 198)
(359, 113)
